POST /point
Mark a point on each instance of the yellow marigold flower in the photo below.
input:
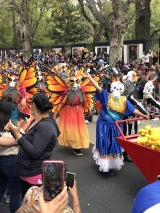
(148, 127)
(153, 147)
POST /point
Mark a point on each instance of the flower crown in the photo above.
(85, 50)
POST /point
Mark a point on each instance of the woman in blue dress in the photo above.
(107, 152)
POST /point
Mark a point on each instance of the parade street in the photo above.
(97, 191)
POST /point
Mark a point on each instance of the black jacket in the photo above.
(36, 146)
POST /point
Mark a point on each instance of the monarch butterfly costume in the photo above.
(23, 84)
(70, 101)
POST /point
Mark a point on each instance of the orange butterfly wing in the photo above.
(88, 94)
(28, 77)
(88, 103)
(57, 87)
(58, 101)
(87, 85)
(55, 84)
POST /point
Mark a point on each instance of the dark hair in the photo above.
(41, 101)
(145, 52)
(6, 103)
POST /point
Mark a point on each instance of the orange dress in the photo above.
(72, 126)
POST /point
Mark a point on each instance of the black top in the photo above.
(154, 60)
(140, 86)
(36, 146)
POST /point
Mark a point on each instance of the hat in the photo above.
(101, 62)
(107, 65)
(148, 199)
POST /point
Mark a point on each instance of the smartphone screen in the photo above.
(53, 179)
(14, 114)
(70, 179)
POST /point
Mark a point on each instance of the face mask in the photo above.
(31, 112)
(12, 84)
(116, 94)
(75, 85)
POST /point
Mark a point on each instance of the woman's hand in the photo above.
(146, 116)
(73, 190)
(57, 205)
(23, 103)
(86, 75)
(14, 129)
(74, 193)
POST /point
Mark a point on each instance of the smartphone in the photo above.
(70, 177)
(23, 115)
(14, 114)
(53, 178)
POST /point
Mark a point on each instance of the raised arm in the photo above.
(87, 75)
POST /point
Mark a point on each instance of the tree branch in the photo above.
(97, 13)
(155, 32)
(84, 13)
(6, 6)
(127, 4)
(15, 6)
(43, 10)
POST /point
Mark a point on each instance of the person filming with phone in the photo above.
(37, 144)
(55, 178)
(46, 198)
(59, 203)
(8, 170)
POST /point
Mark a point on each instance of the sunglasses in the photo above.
(74, 81)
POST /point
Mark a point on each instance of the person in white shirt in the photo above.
(146, 57)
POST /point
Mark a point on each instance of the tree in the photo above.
(67, 25)
(97, 27)
(142, 23)
(28, 22)
(114, 24)
(6, 32)
(155, 23)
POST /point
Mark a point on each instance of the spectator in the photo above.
(8, 169)
(75, 202)
(146, 57)
(56, 205)
(154, 55)
(148, 199)
(106, 57)
(37, 144)
(137, 94)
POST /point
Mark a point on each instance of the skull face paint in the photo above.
(117, 89)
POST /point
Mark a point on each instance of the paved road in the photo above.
(97, 192)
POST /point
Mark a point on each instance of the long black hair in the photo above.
(41, 101)
(6, 103)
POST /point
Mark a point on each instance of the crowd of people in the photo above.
(67, 90)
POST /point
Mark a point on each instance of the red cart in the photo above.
(145, 158)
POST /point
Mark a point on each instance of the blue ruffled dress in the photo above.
(107, 152)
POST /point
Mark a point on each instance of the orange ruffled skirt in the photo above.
(73, 128)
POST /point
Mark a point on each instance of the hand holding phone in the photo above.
(14, 114)
(70, 177)
(53, 179)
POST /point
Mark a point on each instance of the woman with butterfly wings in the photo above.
(71, 100)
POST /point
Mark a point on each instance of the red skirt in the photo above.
(73, 128)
